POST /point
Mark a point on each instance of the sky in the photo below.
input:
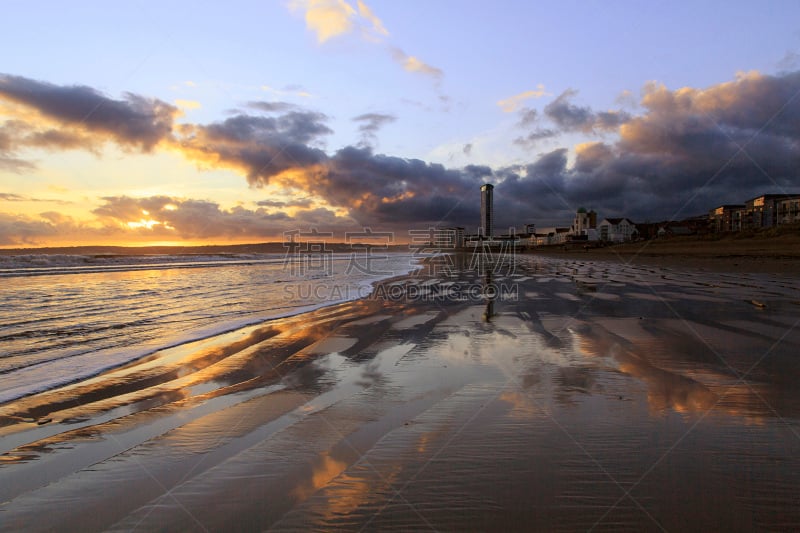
(164, 123)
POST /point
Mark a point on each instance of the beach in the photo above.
(531, 393)
(769, 251)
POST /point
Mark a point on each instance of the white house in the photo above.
(616, 230)
(584, 221)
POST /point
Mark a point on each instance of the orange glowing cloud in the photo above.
(414, 64)
(327, 18)
(512, 103)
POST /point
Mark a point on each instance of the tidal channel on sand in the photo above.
(528, 394)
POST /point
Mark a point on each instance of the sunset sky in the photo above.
(171, 122)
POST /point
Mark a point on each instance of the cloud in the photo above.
(529, 120)
(512, 103)
(627, 99)
(528, 117)
(13, 164)
(16, 135)
(271, 107)
(327, 18)
(133, 122)
(261, 147)
(334, 18)
(789, 61)
(23, 230)
(380, 189)
(565, 117)
(686, 151)
(300, 202)
(11, 197)
(26, 230)
(530, 139)
(370, 123)
(570, 117)
(164, 216)
(690, 150)
(187, 104)
(373, 188)
(125, 219)
(292, 90)
(416, 65)
(377, 26)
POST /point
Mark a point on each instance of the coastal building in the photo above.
(487, 211)
(762, 211)
(789, 210)
(583, 222)
(726, 218)
(617, 230)
(549, 236)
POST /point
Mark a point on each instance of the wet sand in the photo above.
(732, 253)
(587, 395)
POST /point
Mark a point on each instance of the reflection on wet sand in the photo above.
(454, 406)
(665, 389)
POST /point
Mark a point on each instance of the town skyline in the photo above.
(184, 129)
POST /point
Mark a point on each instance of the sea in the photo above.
(64, 318)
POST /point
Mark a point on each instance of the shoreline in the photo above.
(319, 420)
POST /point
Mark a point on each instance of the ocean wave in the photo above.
(55, 330)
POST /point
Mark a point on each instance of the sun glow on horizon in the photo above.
(147, 223)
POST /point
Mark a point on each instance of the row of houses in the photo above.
(586, 228)
(763, 211)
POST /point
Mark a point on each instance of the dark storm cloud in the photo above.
(370, 123)
(686, 151)
(530, 120)
(689, 151)
(570, 117)
(262, 147)
(295, 127)
(530, 139)
(383, 189)
(134, 121)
